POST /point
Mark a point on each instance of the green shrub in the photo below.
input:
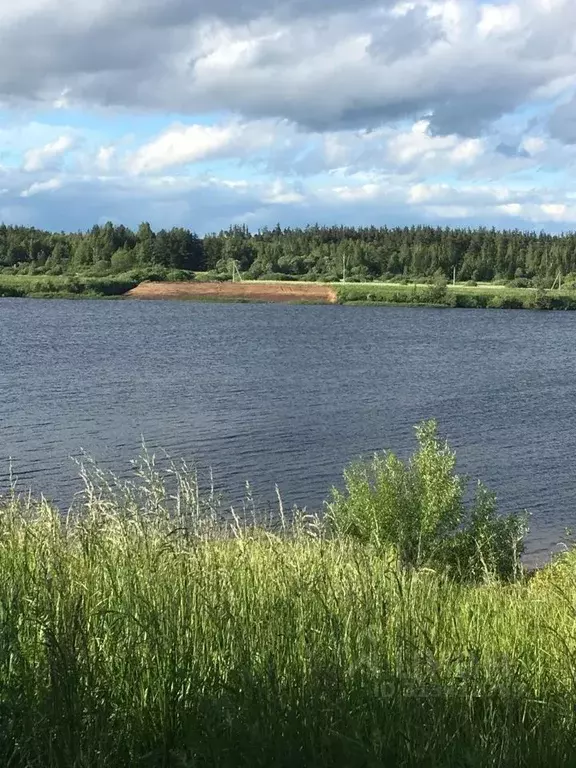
(8, 291)
(101, 268)
(542, 300)
(520, 282)
(506, 302)
(276, 276)
(469, 300)
(402, 297)
(562, 302)
(140, 274)
(108, 286)
(418, 508)
(213, 277)
(179, 275)
(436, 294)
(122, 260)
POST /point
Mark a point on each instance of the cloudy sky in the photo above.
(203, 113)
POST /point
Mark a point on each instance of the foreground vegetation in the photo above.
(144, 629)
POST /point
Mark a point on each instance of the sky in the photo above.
(207, 113)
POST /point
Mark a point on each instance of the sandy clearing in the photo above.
(254, 291)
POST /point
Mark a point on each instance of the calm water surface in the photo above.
(290, 394)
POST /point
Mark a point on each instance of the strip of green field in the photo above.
(484, 296)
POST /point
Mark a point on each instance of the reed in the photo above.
(153, 626)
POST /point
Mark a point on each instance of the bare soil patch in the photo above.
(253, 291)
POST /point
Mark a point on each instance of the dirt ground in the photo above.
(254, 291)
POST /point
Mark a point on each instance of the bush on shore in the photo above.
(417, 509)
(17, 286)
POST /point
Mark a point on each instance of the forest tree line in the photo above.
(314, 252)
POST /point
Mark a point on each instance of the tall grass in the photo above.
(148, 628)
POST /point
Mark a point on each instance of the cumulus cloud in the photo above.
(41, 158)
(188, 174)
(41, 186)
(207, 202)
(327, 64)
(184, 144)
(360, 111)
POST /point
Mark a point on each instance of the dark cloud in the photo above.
(511, 150)
(325, 64)
(401, 36)
(562, 123)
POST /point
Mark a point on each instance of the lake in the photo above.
(289, 394)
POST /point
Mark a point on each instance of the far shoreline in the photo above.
(195, 287)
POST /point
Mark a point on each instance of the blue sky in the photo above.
(203, 114)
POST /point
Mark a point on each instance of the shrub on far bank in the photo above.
(179, 275)
(520, 282)
(213, 277)
(506, 302)
(277, 276)
(54, 286)
(140, 274)
(469, 300)
(417, 507)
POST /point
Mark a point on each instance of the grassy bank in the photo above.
(63, 286)
(485, 295)
(141, 630)
(473, 297)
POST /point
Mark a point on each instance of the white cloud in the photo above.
(512, 209)
(41, 158)
(499, 19)
(554, 210)
(62, 101)
(333, 110)
(534, 145)
(181, 145)
(419, 145)
(104, 158)
(280, 193)
(422, 193)
(450, 211)
(41, 186)
(327, 64)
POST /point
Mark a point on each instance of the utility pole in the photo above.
(344, 268)
(454, 276)
(559, 279)
(235, 271)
